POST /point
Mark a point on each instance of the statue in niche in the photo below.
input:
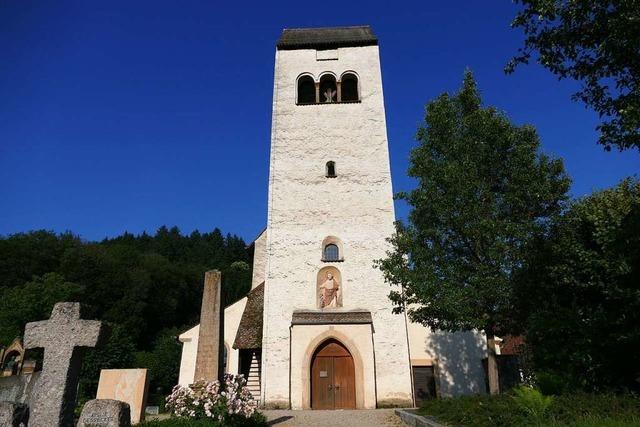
(330, 292)
(329, 94)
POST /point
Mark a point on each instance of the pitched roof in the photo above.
(328, 38)
(249, 333)
(302, 317)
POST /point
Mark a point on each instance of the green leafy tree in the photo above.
(484, 191)
(33, 301)
(141, 284)
(579, 296)
(117, 353)
(596, 42)
(236, 281)
(163, 363)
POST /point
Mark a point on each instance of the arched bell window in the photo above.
(328, 89)
(349, 88)
(331, 170)
(306, 90)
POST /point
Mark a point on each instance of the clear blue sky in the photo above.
(128, 115)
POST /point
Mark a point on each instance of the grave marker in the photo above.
(63, 337)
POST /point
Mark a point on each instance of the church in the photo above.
(317, 331)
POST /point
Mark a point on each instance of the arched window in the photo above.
(349, 88)
(332, 249)
(328, 89)
(331, 252)
(331, 170)
(306, 90)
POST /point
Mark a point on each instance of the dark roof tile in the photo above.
(249, 333)
(326, 38)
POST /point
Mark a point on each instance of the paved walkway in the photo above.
(340, 418)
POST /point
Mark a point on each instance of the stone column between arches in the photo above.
(357, 338)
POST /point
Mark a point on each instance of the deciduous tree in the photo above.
(597, 43)
(579, 296)
(484, 191)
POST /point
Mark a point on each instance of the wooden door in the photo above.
(333, 384)
(424, 383)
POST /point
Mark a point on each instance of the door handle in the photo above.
(330, 387)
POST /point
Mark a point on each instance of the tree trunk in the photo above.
(492, 366)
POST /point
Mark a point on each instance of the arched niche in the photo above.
(329, 288)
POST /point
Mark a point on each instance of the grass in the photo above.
(532, 409)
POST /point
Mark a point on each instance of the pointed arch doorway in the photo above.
(333, 378)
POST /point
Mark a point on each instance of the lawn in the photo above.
(576, 410)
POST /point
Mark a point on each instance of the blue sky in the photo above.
(128, 115)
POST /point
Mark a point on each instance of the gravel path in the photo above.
(340, 418)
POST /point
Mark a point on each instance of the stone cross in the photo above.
(62, 337)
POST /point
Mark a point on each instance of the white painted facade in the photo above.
(189, 340)
(305, 207)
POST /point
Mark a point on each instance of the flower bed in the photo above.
(213, 403)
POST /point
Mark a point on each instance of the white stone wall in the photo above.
(458, 357)
(189, 340)
(259, 260)
(305, 207)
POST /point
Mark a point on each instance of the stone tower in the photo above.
(330, 210)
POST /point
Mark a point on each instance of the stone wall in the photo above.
(305, 207)
(18, 388)
(259, 260)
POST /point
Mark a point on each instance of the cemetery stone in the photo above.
(13, 414)
(125, 385)
(105, 413)
(63, 337)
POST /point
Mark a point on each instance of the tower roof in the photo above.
(327, 38)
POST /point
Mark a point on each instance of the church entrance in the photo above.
(333, 378)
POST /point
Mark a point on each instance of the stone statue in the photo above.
(330, 292)
(329, 94)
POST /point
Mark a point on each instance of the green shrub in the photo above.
(577, 410)
(552, 384)
(532, 402)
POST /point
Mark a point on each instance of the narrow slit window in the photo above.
(331, 170)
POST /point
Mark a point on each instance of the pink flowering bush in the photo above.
(224, 403)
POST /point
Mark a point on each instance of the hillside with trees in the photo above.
(147, 288)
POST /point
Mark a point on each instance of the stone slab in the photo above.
(208, 358)
(13, 414)
(105, 413)
(18, 388)
(126, 385)
(411, 418)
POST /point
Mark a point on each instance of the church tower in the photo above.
(329, 338)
